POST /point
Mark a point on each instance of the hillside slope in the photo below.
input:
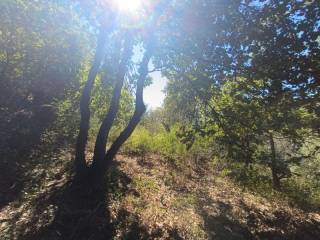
(149, 198)
(168, 203)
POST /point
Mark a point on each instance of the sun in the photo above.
(128, 5)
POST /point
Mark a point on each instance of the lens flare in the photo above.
(128, 5)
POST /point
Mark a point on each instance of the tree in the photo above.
(38, 62)
(101, 158)
(258, 130)
(274, 43)
(251, 129)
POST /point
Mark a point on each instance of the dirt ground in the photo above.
(148, 198)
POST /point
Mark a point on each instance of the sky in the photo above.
(153, 94)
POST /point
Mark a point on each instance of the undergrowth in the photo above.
(256, 178)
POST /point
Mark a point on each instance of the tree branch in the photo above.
(139, 108)
(80, 158)
(102, 137)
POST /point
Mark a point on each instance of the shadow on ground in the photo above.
(61, 209)
(10, 184)
(223, 224)
(82, 213)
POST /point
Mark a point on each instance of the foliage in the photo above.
(140, 142)
(297, 190)
(38, 62)
(165, 143)
(168, 144)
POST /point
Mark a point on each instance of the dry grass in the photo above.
(201, 205)
(151, 198)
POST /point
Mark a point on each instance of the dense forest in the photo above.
(232, 153)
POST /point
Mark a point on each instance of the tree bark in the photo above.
(102, 137)
(140, 108)
(80, 158)
(273, 166)
(99, 170)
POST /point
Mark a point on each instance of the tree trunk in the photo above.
(139, 110)
(99, 170)
(80, 158)
(275, 177)
(102, 137)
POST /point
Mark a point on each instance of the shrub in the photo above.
(167, 144)
(139, 143)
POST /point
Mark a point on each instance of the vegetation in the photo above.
(232, 153)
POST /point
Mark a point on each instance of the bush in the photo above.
(163, 143)
(168, 145)
(139, 143)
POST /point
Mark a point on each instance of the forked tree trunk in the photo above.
(102, 137)
(100, 169)
(275, 177)
(80, 157)
(99, 165)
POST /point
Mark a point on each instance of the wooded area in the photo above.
(232, 153)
